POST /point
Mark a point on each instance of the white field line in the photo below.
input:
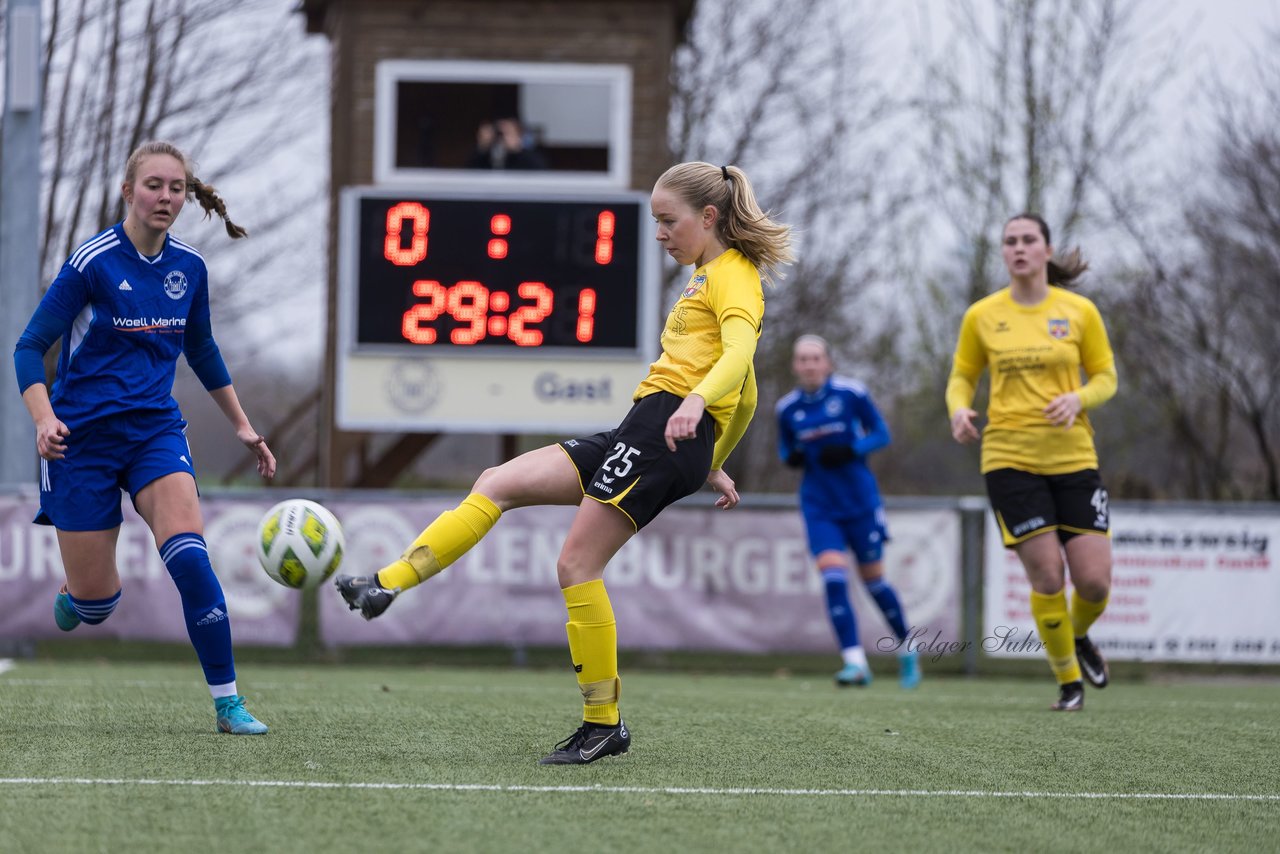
(649, 790)
(6, 664)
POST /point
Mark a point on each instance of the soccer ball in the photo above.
(300, 543)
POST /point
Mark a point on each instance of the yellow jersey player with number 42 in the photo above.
(1038, 455)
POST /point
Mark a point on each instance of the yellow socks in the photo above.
(1085, 613)
(593, 646)
(1055, 630)
(445, 540)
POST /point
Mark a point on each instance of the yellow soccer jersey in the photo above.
(1034, 353)
(726, 286)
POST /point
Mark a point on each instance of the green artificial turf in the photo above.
(124, 757)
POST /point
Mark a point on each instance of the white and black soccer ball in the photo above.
(300, 543)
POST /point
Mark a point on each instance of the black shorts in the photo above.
(1027, 504)
(631, 467)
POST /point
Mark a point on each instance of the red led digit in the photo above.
(586, 315)
(468, 303)
(605, 224)
(392, 248)
(527, 315)
(411, 325)
(499, 224)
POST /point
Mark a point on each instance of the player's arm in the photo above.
(875, 435)
(730, 372)
(229, 403)
(1100, 367)
(789, 450)
(962, 385)
(1099, 363)
(206, 362)
(28, 361)
(875, 431)
(742, 415)
(203, 354)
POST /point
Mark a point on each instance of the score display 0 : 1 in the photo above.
(509, 273)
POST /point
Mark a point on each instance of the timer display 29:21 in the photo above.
(448, 272)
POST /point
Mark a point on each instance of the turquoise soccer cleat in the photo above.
(234, 718)
(64, 613)
(909, 670)
(853, 675)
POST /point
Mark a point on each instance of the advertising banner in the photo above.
(31, 573)
(1185, 587)
(697, 578)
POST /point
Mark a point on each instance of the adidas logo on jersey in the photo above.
(125, 286)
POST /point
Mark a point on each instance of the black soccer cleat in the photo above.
(589, 743)
(363, 593)
(1092, 664)
(1070, 697)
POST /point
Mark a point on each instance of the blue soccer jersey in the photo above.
(124, 320)
(838, 415)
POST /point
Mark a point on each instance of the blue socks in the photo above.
(887, 599)
(839, 608)
(187, 558)
(94, 611)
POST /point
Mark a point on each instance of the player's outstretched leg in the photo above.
(364, 593)
(235, 719)
(589, 743)
(445, 540)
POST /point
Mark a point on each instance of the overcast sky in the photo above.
(1219, 34)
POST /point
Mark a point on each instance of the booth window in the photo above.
(450, 120)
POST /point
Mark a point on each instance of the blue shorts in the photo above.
(81, 491)
(865, 536)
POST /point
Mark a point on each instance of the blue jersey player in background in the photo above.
(126, 304)
(827, 427)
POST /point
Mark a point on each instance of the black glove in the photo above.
(834, 456)
(796, 459)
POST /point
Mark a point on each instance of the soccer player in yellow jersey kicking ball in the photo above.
(1038, 456)
(689, 413)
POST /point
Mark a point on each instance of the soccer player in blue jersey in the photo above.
(126, 304)
(827, 427)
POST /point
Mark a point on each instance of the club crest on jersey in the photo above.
(1059, 328)
(175, 284)
(695, 285)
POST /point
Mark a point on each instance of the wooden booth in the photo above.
(491, 263)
